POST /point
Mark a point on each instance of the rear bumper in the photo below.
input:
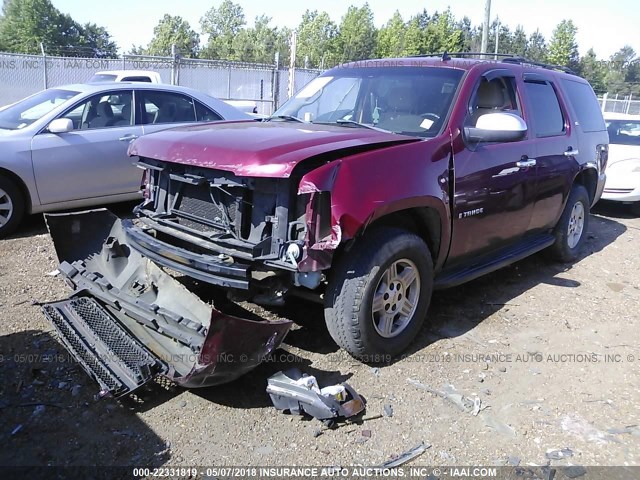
(128, 320)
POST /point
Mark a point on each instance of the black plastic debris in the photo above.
(300, 393)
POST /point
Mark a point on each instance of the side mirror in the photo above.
(61, 125)
(497, 127)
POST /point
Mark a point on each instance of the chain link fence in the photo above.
(266, 85)
(619, 104)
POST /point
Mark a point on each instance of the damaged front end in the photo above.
(129, 320)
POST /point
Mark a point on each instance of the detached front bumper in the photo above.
(128, 320)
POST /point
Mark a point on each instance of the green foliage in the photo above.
(321, 43)
(391, 37)
(357, 38)
(442, 34)
(316, 39)
(222, 24)
(537, 47)
(563, 48)
(173, 30)
(26, 24)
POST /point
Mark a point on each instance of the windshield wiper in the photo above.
(358, 124)
(284, 117)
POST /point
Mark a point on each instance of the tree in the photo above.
(391, 37)
(257, 44)
(99, 41)
(26, 24)
(519, 42)
(441, 34)
(357, 37)
(623, 71)
(537, 47)
(317, 35)
(222, 24)
(593, 70)
(413, 38)
(173, 30)
(563, 48)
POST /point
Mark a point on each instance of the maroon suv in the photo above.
(378, 182)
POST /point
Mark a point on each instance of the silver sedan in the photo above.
(66, 147)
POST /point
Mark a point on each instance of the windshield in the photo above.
(31, 109)
(624, 132)
(103, 77)
(406, 100)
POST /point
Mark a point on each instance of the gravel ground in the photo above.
(563, 372)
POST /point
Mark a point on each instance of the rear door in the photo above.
(556, 148)
(91, 160)
(162, 109)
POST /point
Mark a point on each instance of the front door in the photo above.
(494, 182)
(91, 160)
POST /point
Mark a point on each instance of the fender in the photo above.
(365, 187)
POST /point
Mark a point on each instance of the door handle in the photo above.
(571, 152)
(128, 138)
(529, 162)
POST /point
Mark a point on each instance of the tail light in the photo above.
(602, 157)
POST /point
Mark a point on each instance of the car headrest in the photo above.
(105, 110)
(490, 95)
(401, 99)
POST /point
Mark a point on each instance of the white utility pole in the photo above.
(292, 65)
(497, 39)
(485, 27)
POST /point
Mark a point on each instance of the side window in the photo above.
(166, 107)
(104, 110)
(136, 79)
(203, 114)
(545, 107)
(495, 95)
(585, 104)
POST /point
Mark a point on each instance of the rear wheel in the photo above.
(571, 230)
(11, 207)
(379, 294)
(635, 208)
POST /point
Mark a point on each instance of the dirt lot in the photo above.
(564, 373)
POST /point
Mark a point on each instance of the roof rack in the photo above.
(505, 57)
(524, 61)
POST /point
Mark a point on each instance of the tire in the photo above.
(635, 209)
(571, 230)
(375, 267)
(11, 207)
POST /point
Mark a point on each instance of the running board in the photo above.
(108, 353)
(495, 261)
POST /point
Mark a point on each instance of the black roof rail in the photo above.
(524, 61)
(449, 55)
(505, 57)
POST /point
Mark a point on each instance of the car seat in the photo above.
(104, 117)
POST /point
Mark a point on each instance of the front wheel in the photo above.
(379, 294)
(11, 207)
(571, 230)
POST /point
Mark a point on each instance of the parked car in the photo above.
(146, 76)
(376, 183)
(66, 147)
(623, 173)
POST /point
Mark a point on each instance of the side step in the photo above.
(105, 350)
(496, 260)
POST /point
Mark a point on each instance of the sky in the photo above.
(601, 25)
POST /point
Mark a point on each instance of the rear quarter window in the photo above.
(585, 104)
